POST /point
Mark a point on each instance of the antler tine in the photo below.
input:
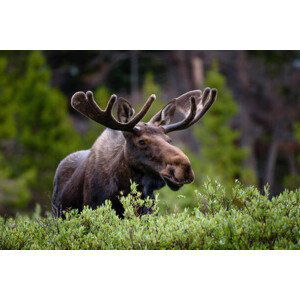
(195, 112)
(86, 105)
(142, 112)
(185, 122)
(208, 98)
(110, 105)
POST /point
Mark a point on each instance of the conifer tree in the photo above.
(35, 123)
(14, 190)
(220, 155)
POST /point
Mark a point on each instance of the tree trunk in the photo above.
(198, 72)
(271, 163)
(134, 76)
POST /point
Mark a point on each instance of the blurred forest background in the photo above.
(252, 132)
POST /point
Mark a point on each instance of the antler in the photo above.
(86, 105)
(195, 112)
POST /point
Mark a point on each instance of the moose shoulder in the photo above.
(127, 150)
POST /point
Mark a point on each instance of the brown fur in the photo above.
(141, 152)
(90, 177)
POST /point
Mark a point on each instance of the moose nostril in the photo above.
(171, 172)
(189, 175)
(189, 180)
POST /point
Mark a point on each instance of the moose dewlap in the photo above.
(128, 150)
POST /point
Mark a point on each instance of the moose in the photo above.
(127, 150)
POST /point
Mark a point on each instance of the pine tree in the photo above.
(14, 190)
(7, 128)
(36, 123)
(220, 155)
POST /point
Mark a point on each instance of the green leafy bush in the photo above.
(241, 218)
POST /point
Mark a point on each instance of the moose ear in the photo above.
(124, 111)
(164, 116)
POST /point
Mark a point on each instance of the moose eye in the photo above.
(142, 142)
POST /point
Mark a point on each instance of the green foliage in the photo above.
(175, 202)
(133, 202)
(8, 126)
(36, 132)
(15, 192)
(151, 87)
(102, 95)
(220, 155)
(43, 125)
(239, 218)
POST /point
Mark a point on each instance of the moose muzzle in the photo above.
(178, 172)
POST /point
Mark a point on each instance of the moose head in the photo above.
(148, 148)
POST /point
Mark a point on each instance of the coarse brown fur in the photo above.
(92, 176)
(144, 155)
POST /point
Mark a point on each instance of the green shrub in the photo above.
(242, 218)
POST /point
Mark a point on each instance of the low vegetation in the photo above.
(239, 218)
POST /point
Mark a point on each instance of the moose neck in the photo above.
(119, 170)
(147, 180)
(124, 172)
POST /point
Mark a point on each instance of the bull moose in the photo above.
(127, 150)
